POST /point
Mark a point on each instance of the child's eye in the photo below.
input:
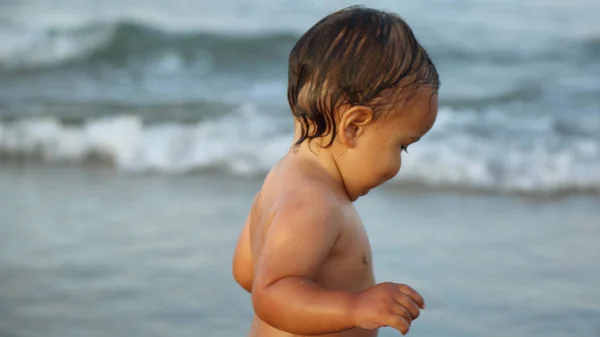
(404, 148)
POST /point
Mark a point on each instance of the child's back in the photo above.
(303, 252)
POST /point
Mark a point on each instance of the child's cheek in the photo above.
(397, 164)
(392, 168)
(394, 160)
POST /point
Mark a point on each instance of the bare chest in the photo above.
(349, 265)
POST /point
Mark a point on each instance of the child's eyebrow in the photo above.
(414, 139)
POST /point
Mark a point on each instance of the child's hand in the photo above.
(388, 304)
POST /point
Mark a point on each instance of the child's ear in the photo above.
(352, 124)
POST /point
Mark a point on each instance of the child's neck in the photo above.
(325, 158)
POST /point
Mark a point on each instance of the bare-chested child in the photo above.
(361, 89)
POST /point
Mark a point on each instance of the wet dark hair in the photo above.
(355, 56)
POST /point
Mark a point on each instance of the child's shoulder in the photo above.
(296, 195)
(307, 196)
(303, 215)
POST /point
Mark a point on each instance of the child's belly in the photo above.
(358, 280)
(261, 329)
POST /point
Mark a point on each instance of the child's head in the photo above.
(360, 81)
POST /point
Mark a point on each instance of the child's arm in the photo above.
(300, 236)
(243, 266)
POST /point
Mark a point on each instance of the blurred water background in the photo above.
(134, 134)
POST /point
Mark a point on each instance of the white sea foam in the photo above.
(247, 143)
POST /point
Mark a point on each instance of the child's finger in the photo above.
(409, 305)
(413, 294)
(404, 312)
(399, 323)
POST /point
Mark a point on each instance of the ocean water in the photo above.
(92, 252)
(134, 134)
(185, 86)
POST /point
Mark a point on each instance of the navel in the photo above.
(365, 260)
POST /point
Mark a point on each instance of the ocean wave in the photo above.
(248, 144)
(125, 42)
(31, 47)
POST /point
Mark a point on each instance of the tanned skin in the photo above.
(304, 254)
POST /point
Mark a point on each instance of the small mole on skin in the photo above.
(365, 261)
